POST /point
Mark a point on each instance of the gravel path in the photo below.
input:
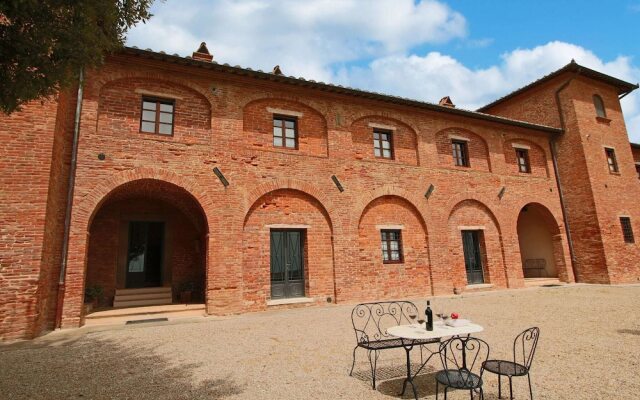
(589, 349)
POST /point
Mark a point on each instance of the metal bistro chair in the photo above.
(524, 348)
(370, 322)
(462, 359)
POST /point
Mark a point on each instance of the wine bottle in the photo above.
(429, 314)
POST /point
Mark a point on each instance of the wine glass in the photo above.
(421, 319)
(413, 314)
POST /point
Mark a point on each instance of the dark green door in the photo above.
(472, 257)
(144, 257)
(287, 267)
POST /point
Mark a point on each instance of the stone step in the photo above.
(160, 289)
(142, 297)
(140, 303)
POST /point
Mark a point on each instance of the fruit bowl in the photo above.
(456, 322)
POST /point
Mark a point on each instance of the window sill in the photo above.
(293, 300)
(614, 173)
(603, 120)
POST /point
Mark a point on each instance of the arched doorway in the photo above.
(288, 251)
(475, 246)
(540, 242)
(147, 246)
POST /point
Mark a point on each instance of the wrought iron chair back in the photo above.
(371, 320)
(524, 346)
(463, 357)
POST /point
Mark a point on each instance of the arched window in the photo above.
(599, 104)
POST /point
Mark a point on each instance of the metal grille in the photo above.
(627, 230)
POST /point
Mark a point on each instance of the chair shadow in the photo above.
(635, 332)
(389, 380)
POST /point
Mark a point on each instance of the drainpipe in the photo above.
(70, 190)
(554, 156)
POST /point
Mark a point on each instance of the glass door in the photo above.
(472, 256)
(287, 266)
(145, 254)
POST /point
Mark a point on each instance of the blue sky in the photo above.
(473, 51)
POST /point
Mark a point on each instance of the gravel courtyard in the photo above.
(589, 349)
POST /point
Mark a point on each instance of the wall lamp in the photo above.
(501, 193)
(337, 182)
(218, 173)
(429, 191)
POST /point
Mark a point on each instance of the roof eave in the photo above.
(237, 70)
(622, 86)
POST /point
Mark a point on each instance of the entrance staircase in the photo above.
(142, 297)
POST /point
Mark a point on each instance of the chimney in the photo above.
(446, 102)
(202, 54)
(277, 70)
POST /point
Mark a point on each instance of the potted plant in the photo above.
(93, 295)
(186, 292)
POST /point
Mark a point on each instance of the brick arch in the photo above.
(485, 200)
(457, 203)
(360, 115)
(83, 214)
(90, 204)
(285, 99)
(280, 184)
(540, 237)
(511, 215)
(537, 157)
(405, 139)
(102, 80)
(478, 148)
(389, 190)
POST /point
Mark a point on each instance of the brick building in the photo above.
(246, 190)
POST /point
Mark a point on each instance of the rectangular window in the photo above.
(391, 246)
(460, 153)
(157, 116)
(285, 132)
(611, 159)
(627, 230)
(522, 155)
(383, 144)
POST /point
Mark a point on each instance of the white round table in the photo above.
(409, 334)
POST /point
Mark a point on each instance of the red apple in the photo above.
(454, 315)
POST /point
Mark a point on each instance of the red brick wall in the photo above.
(295, 187)
(31, 165)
